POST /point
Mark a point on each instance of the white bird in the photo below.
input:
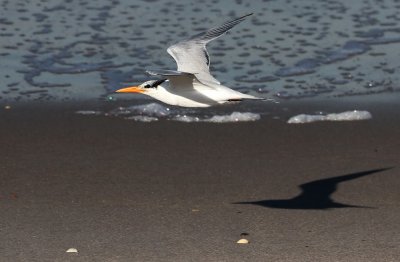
(191, 85)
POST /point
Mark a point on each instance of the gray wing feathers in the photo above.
(191, 55)
(178, 79)
(218, 31)
(161, 72)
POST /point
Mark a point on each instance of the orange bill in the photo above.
(131, 89)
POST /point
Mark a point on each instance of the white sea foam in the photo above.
(186, 118)
(344, 116)
(234, 117)
(142, 118)
(88, 112)
(154, 112)
(152, 109)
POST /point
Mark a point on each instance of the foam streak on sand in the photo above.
(234, 117)
(344, 116)
(88, 112)
(154, 112)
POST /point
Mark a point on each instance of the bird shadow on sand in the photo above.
(316, 194)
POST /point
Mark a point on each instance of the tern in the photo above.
(191, 85)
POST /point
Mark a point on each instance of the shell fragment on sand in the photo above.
(242, 241)
(72, 250)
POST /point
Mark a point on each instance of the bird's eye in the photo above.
(147, 86)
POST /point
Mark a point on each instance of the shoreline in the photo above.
(283, 109)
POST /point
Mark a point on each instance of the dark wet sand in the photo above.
(119, 190)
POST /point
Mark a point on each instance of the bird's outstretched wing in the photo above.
(191, 55)
(178, 79)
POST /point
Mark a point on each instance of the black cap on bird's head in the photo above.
(142, 87)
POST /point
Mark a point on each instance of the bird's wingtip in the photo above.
(246, 15)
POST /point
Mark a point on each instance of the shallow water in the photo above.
(84, 50)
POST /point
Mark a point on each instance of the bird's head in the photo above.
(142, 88)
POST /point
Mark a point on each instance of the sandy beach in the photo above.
(119, 190)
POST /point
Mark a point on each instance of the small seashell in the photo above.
(242, 241)
(72, 250)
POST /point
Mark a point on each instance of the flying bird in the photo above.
(192, 84)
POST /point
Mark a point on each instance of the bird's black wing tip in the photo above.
(249, 14)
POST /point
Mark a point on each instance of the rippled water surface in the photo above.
(78, 49)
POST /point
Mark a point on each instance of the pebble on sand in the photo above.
(72, 250)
